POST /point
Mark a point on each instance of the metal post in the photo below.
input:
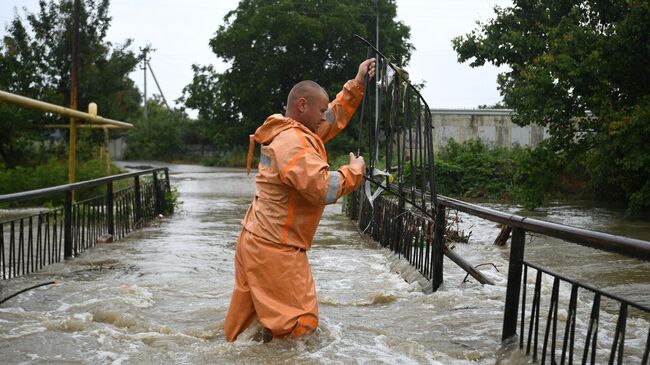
(67, 222)
(72, 153)
(169, 188)
(158, 199)
(109, 209)
(514, 284)
(138, 199)
(377, 76)
(157, 84)
(438, 248)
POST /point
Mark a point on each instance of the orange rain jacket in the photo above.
(273, 279)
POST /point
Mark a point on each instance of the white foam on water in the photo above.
(25, 330)
(66, 307)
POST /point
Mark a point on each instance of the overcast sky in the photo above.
(180, 32)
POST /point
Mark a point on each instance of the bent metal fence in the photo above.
(406, 215)
(28, 243)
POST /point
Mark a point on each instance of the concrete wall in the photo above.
(492, 126)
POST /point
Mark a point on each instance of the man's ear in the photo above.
(302, 104)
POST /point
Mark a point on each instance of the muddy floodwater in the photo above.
(160, 295)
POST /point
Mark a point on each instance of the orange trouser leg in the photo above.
(280, 285)
(241, 312)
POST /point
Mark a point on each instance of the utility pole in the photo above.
(72, 145)
(144, 67)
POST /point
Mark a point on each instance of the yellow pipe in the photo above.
(92, 126)
(52, 108)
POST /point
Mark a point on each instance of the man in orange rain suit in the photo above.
(273, 280)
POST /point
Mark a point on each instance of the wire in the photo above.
(26, 289)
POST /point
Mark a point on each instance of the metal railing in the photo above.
(399, 142)
(517, 293)
(406, 232)
(414, 236)
(29, 243)
(409, 218)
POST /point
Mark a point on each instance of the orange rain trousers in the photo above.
(273, 283)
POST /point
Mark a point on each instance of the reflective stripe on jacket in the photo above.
(294, 182)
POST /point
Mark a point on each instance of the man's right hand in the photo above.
(357, 161)
(367, 66)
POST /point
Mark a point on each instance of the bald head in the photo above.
(307, 89)
(307, 103)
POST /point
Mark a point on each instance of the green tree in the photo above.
(581, 69)
(271, 45)
(159, 136)
(35, 62)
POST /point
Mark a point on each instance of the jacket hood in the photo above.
(274, 125)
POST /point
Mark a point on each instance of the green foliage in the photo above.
(172, 201)
(159, 137)
(233, 158)
(536, 175)
(273, 45)
(338, 161)
(35, 62)
(567, 59)
(527, 176)
(474, 169)
(52, 173)
(619, 169)
(29, 178)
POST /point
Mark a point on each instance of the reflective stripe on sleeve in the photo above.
(332, 187)
(329, 116)
(265, 160)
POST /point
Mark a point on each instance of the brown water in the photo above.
(161, 294)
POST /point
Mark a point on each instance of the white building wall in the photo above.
(492, 126)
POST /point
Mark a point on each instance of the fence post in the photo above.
(169, 188)
(157, 193)
(109, 209)
(514, 284)
(438, 248)
(67, 221)
(138, 199)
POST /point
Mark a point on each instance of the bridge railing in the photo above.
(415, 237)
(516, 292)
(29, 243)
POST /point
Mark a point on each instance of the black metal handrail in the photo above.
(413, 234)
(40, 193)
(29, 243)
(603, 241)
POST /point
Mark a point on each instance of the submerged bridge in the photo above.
(572, 330)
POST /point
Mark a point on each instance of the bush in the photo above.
(52, 173)
(234, 158)
(473, 170)
(536, 175)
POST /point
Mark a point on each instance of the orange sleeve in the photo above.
(302, 168)
(340, 110)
